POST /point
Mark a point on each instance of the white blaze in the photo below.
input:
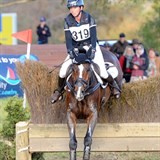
(80, 76)
(80, 70)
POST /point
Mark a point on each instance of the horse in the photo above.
(84, 98)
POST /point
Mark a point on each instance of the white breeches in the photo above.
(63, 71)
(98, 59)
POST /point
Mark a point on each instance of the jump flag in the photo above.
(25, 36)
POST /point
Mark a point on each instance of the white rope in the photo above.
(22, 131)
(23, 149)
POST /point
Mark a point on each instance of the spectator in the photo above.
(107, 46)
(139, 64)
(154, 63)
(125, 62)
(43, 31)
(119, 47)
(135, 43)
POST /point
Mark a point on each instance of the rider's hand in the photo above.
(76, 51)
(71, 54)
(92, 54)
(44, 32)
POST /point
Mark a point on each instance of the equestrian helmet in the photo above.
(75, 3)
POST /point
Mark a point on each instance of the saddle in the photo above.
(82, 59)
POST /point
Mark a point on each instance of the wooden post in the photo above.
(22, 141)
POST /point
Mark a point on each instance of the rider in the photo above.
(80, 32)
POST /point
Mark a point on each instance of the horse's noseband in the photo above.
(82, 82)
(89, 85)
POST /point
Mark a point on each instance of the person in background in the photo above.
(43, 31)
(119, 47)
(138, 65)
(154, 63)
(125, 62)
(135, 43)
(107, 46)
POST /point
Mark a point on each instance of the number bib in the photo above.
(80, 33)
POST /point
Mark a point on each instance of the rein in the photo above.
(89, 87)
(88, 91)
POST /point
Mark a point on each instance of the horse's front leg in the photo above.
(71, 121)
(91, 121)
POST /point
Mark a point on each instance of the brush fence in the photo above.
(107, 137)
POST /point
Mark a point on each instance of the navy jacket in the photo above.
(43, 38)
(80, 34)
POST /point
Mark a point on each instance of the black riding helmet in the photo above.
(75, 3)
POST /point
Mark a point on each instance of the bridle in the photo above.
(89, 86)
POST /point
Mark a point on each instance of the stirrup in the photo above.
(58, 98)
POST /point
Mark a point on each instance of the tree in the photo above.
(150, 31)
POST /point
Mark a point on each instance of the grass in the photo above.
(106, 156)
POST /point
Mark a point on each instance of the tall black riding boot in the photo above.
(58, 92)
(116, 90)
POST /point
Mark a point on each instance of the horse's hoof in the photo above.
(86, 155)
(73, 155)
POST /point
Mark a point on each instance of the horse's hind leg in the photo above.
(71, 121)
(92, 120)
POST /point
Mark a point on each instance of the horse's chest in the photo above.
(82, 109)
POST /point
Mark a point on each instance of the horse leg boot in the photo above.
(116, 90)
(58, 92)
(87, 147)
(71, 122)
(92, 120)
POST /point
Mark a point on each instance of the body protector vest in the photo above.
(80, 34)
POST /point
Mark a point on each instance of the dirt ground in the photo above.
(107, 156)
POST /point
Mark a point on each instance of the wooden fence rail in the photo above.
(107, 137)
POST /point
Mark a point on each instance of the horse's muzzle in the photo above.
(80, 98)
(79, 94)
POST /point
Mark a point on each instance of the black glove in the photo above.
(92, 55)
(71, 54)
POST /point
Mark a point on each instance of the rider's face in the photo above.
(75, 10)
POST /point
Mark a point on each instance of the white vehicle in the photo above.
(110, 42)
